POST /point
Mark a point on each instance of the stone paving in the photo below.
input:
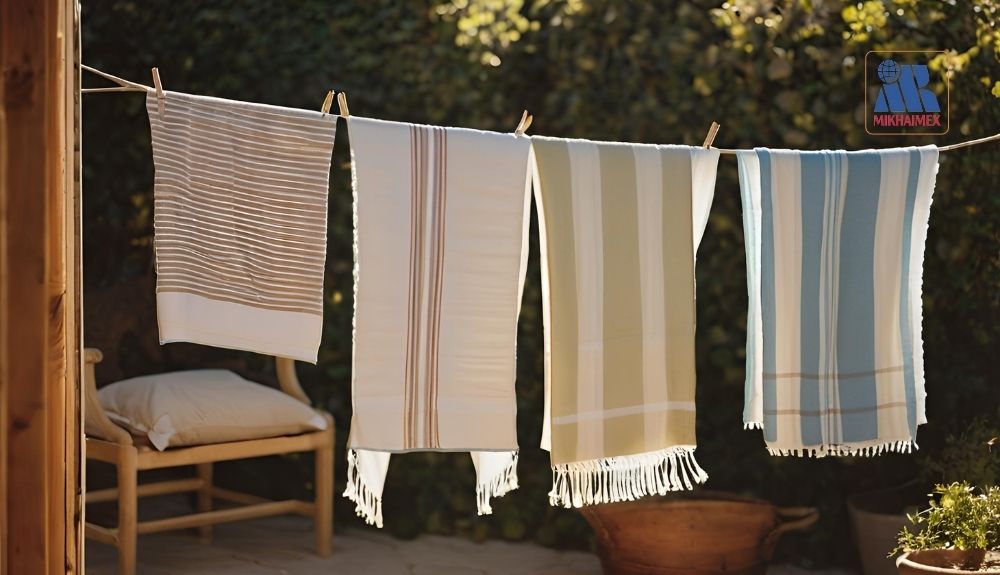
(283, 546)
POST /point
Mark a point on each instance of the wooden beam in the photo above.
(38, 378)
(103, 534)
(225, 516)
(148, 489)
(236, 496)
(175, 457)
(4, 305)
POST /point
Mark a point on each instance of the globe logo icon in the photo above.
(888, 71)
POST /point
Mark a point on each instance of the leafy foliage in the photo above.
(778, 73)
(970, 456)
(960, 519)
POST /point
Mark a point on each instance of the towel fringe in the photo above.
(752, 425)
(625, 478)
(498, 486)
(906, 446)
(367, 505)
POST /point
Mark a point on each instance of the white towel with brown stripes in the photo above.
(619, 225)
(240, 201)
(441, 222)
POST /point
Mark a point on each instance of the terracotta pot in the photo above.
(876, 520)
(948, 561)
(715, 533)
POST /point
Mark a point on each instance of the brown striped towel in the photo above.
(619, 227)
(240, 223)
(441, 218)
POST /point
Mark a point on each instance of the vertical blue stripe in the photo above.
(750, 234)
(813, 196)
(856, 301)
(905, 319)
(767, 295)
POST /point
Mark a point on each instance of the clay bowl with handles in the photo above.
(704, 534)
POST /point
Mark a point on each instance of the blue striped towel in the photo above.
(835, 248)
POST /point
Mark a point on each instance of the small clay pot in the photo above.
(954, 561)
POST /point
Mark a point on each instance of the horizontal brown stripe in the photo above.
(252, 147)
(239, 229)
(250, 294)
(306, 191)
(172, 238)
(833, 376)
(240, 202)
(236, 154)
(247, 128)
(215, 196)
(172, 252)
(306, 119)
(806, 412)
(298, 251)
(217, 297)
(228, 167)
(241, 289)
(237, 214)
(251, 283)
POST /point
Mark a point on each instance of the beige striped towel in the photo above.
(619, 227)
(240, 223)
(441, 218)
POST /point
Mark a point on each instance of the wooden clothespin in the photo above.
(524, 124)
(160, 96)
(712, 131)
(327, 102)
(342, 103)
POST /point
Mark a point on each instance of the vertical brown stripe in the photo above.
(431, 351)
(441, 206)
(421, 220)
(410, 338)
(622, 336)
(555, 189)
(678, 275)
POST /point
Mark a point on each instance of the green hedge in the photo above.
(780, 73)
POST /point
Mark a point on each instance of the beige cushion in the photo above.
(204, 406)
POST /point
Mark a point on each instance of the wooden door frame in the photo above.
(41, 510)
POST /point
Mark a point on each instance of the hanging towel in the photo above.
(835, 249)
(619, 228)
(440, 223)
(240, 223)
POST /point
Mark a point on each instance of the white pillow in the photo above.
(204, 406)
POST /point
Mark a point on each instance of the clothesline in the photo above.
(947, 148)
(526, 119)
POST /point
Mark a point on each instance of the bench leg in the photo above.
(205, 499)
(127, 504)
(324, 497)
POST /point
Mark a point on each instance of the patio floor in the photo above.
(283, 546)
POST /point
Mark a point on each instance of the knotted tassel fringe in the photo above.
(753, 425)
(870, 450)
(497, 486)
(367, 505)
(626, 478)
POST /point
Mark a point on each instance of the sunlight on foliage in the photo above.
(959, 519)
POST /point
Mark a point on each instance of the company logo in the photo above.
(904, 102)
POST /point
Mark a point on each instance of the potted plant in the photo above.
(958, 533)
(878, 516)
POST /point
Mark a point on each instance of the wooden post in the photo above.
(39, 321)
(205, 499)
(323, 503)
(128, 502)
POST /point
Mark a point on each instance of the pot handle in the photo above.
(792, 519)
